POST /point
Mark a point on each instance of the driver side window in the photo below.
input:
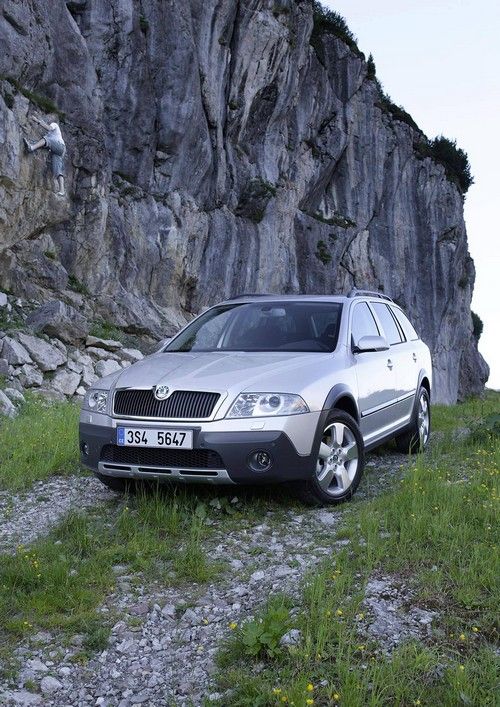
(363, 323)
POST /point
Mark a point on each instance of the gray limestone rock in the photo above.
(132, 355)
(104, 368)
(29, 376)
(4, 367)
(60, 320)
(7, 407)
(49, 685)
(47, 357)
(14, 395)
(66, 382)
(14, 352)
(108, 344)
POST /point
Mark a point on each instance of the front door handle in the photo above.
(414, 356)
(389, 363)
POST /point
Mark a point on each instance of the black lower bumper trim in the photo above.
(212, 450)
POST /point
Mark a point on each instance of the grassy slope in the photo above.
(438, 533)
(40, 442)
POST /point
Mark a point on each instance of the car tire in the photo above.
(416, 437)
(339, 468)
(118, 485)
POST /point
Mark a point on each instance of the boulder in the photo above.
(47, 357)
(104, 368)
(80, 357)
(29, 376)
(7, 407)
(59, 320)
(74, 366)
(108, 344)
(65, 382)
(49, 685)
(14, 395)
(88, 375)
(131, 355)
(102, 353)
(14, 383)
(4, 367)
(50, 394)
(59, 345)
(14, 352)
(3, 299)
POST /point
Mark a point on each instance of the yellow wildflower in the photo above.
(310, 687)
(233, 625)
(462, 637)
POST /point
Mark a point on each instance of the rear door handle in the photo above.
(414, 356)
(389, 363)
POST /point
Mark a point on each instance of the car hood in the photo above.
(224, 371)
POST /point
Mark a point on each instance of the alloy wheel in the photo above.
(337, 460)
(423, 420)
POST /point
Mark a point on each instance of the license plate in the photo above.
(152, 437)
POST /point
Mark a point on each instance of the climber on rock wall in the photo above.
(54, 142)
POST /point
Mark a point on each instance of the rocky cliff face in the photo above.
(213, 150)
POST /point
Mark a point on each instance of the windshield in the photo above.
(263, 326)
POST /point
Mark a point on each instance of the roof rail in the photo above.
(368, 293)
(251, 294)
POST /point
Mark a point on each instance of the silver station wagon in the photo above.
(265, 388)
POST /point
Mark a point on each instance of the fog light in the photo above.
(259, 461)
(85, 448)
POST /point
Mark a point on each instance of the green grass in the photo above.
(437, 533)
(446, 418)
(40, 442)
(43, 102)
(77, 286)
(106, 330)
(59, 581)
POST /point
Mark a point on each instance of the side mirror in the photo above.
(371, 343)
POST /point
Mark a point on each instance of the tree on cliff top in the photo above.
(330, 22)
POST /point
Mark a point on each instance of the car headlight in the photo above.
(266, 404)
(96, 400)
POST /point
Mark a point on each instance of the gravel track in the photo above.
(164, 640)
(28, 515)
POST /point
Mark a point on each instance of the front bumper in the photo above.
(223, 449)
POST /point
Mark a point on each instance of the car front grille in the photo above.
(170, 458)
(181, 405)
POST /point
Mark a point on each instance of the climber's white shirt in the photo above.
(55, 134)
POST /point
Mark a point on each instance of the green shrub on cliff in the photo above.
(371, 69)
(477, 325)
(453, 158)
(330, 22)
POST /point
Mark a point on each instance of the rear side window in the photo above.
(391, 329)
(405, 324)
(363, 323)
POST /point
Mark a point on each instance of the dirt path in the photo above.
(164, 641)
(28, 515)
